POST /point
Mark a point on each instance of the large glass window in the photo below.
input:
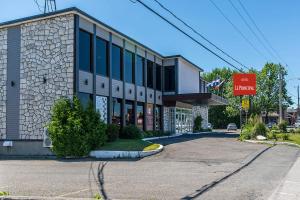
(140, 115)
(149, 74)
(117, 111)
(158, 77)
(101, 57)
(116, 62)
(158, 117)
(129, 67)
(140, 65)
(101, 107)
(85, 51)
(85, 99)
(129, 113)
(169, 74)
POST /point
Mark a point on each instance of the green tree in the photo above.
(267, 98)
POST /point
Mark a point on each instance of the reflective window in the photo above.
(101, 57)
(116, 62)
(85, 51)
(169, 75)
(117, 111)
(140, 115)
(129, 113)
(129, 67)
(158, 77)
(149, 74)
(140, 65)
(85, 99)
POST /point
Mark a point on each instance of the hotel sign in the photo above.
(244, 84)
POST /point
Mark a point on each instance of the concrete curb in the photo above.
(273, 143)
(247, 162)
(125, 154)
(176, 135)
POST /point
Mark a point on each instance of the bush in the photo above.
(148, 134)
(74, 131)
(94, 127)
(285, 136)
(246, 133)
(197, 124)
(112, 132)
(292, 130)
(272, 135)
(131, 132)
(283, 126)
(297, 130)
(259, 129)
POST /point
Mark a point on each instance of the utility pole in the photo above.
(280, 92)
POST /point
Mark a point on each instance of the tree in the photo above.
(268, 89)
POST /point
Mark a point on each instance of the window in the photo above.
(129, 67)
(158, 77)
(169, 75)
(140, 115)
(85, 51)
(140, 64)
(149, 74)
(101, 107)
(129, 113)
(117, 111)
(116, 62)
(158, 118)
(85, 99)
(101, 57)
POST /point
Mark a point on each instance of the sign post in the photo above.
(244, 84)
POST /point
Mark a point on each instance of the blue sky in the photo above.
(278, 20)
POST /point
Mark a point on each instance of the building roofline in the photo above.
(75, 10)
(187, 60)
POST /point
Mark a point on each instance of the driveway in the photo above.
(187, 164)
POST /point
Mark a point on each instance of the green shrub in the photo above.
(131, 132)
(259, 129)
(112, 132)
(283, 126)
(272, 135)
(197, 124)
(285, 136)
(292, 130)
(95, 128)
(247, 132)
(275, 127)
(74, 132)
(148, 134)
(297, 130)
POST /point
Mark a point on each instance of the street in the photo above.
(186, 166)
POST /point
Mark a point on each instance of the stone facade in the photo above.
(203, 112)
(3, 77)
(46, 72)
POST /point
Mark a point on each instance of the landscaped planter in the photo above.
(124, 154)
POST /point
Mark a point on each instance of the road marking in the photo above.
(73, 192)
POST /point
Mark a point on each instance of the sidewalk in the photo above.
(290, 187)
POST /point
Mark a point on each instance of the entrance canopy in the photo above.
(194, 99)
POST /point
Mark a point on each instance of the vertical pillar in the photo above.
(162, 91)
(109, 106)
(123, 79)
(76, 56)
(154, 88)
(135, 87)
(94, 56)
(146, 92)
(176, 76)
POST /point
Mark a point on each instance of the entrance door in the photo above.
(183, 121)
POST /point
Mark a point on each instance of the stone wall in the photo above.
(46, 71)
(3, 77)
(203, 111)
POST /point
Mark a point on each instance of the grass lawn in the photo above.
(129, 145)
(294, 138)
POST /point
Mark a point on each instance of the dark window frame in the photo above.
(143, 70)
(121, 63)
(90, 49)
(132, 67)
(158, 77)
(169, 79)
(98, 71)
(150, 74)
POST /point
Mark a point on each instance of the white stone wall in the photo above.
(3, 77)
(203, 111)
(46, 71)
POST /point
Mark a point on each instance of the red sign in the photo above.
(244, 84)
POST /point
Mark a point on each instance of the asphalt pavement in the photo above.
(187, 165)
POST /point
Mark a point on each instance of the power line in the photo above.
(186, 34)
(250, 28)
(38, 5)
(195, 31)
(260, 32)
(238, 30)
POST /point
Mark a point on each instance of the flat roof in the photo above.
(75, 10)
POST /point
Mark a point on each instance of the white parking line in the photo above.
(66, 194)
